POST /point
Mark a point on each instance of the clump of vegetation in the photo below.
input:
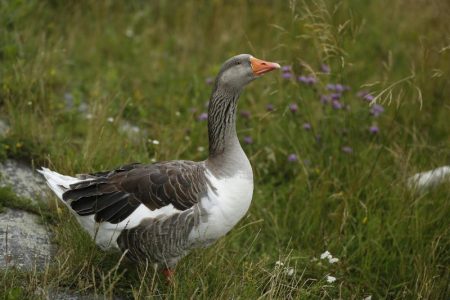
(360, 105)
(8, 198)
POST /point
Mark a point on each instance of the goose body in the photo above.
(159, 212)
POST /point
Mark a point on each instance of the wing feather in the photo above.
(112, 196)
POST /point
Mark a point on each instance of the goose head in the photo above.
(242, 69)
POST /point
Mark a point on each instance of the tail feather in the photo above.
(93, 207)
(58, 183)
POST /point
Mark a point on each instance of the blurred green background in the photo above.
(361, 104)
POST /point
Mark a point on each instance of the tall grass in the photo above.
(147, 64)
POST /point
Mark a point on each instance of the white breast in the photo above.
(226, 202)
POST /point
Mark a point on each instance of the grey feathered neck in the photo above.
(222, 121)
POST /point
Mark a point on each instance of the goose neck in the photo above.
(222, 122)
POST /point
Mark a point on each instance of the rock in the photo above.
(23, 180)
(4, 128)
(71, 295)
(420, 182)
(24, 242)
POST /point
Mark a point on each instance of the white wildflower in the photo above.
(153, 159)
(155, 142)
(368, 297)
(333, 260)
(177, 113)
(110, 119)
(325, 255)
(289, 271)
(331, 279)
(201, 149)
(88, 116)
(279, 263)
(129, 32)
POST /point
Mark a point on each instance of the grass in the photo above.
(147, 64)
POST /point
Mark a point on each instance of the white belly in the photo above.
(227, 201)
(105, 234)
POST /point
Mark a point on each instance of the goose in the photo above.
(157, 213)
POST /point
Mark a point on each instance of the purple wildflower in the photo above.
(293, 107)
(325, 68)
(245, 114)
(292, 157)
(248, 140)
(368, 98)
(330, 86)
(376, 110)
(286, 68)
(374, 129)
(310, 80)
(365, 95)
(336, 96)
(303, 79)
(339, 87)
(347, 149)
(209, 80)
(325, 99)
(336, 104)
(362, 93)
(202, 117)
(286, 75)
(270, 107)
(307, 126)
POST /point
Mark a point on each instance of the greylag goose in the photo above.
(158, 212)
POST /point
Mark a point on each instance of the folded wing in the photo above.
(113, 196)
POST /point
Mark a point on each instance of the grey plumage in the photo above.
(163, 240)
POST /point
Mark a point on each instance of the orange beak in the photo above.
(260, 67)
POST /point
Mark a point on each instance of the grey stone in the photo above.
(24, 242)
(22, 179)
(421, 182)
(68, 295)
(4, 128)
(72, 295)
